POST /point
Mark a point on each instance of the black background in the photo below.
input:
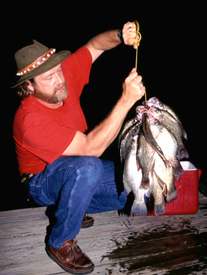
(171, 60)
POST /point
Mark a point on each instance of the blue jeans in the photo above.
(79, 185)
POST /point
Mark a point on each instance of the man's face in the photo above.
(51, 86)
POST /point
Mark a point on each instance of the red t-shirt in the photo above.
(42, 134)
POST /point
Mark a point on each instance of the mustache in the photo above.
(60, 86)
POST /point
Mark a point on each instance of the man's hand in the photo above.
(133, 88)
(129, 33)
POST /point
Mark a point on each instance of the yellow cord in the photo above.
(137, 42)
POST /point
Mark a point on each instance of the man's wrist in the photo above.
(120, 35)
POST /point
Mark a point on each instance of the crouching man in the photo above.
(61, 162)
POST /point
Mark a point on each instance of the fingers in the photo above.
(134, 85)
(137, 82)
(133, 75)
(129, 33)
(130, 36)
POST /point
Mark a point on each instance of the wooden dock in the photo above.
(116, 244)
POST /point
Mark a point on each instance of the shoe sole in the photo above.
(87, 225)
(69, 270)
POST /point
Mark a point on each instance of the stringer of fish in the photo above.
(151, 148)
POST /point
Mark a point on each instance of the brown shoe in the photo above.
(87, 221)
(71, 258)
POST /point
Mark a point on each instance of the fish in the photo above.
(150, 139)
(145, 159)
(126, 127)
(169, 146)
(132, 177)
(158, 104)
(168, 142)
(170, 123)
(167, 179)
(158, 195)
(127, 139)
(151, 147)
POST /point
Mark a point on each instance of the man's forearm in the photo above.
(104, 134)
(106, 40)
(103, 42)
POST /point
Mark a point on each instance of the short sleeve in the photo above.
(76, 69)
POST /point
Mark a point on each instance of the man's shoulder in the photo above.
(79, 56)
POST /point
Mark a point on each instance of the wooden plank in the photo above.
(116, 244)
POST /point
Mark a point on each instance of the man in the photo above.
(60, 162)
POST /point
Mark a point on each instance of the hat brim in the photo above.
(56, 59)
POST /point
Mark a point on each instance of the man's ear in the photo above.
(30, 85)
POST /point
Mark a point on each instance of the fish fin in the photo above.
(145, 183)
(171, 195)
(164, 191)
(127, 208)
(159, 209)
(184, 134)
(178, 171)
(162, 184)
(149, 191)
(183, 153)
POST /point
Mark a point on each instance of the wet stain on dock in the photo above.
(162, 248)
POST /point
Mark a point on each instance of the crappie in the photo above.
(166, 177)
(132, 177)
(170, 123)
(150, 139)
(126, 127)
(145, 159)
(158, 194)
(126, 139)
(158, 104)
(167, 141)
(151, 147)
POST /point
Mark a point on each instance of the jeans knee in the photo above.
(92, 169)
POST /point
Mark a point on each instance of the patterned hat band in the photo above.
(36, 63)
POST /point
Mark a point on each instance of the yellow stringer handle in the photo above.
(137, 42)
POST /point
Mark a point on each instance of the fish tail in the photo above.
(178, 171)
(171, 195)
(139, 209)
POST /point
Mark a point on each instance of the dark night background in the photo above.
(171, 61)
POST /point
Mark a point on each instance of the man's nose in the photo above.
(58, 78)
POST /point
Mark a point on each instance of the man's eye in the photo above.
(60, 71)
(48, 77)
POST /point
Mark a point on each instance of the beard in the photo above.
(55, 97)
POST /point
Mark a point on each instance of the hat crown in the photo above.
(28, 54)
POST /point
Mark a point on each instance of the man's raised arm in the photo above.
(110, 39)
